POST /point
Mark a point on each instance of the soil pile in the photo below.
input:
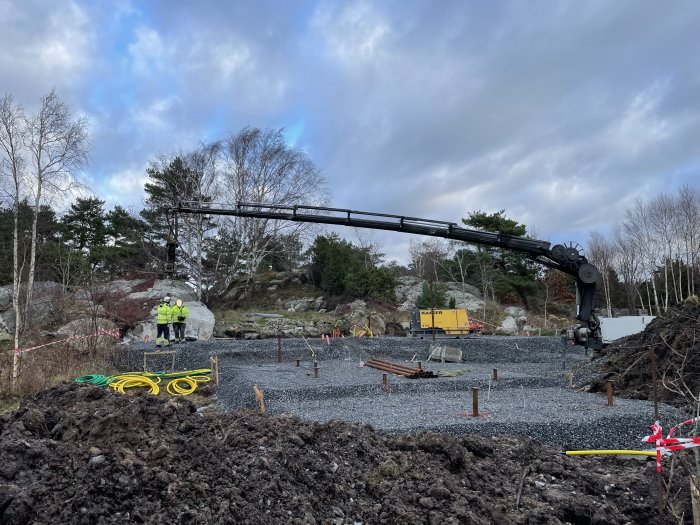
(80, 454)
(675, 339)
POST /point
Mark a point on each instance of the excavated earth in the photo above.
(81, 454)
(674, 338)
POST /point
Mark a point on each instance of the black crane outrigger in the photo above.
(566, 259)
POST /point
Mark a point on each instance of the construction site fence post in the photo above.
(495, 374)
(609, 392)
(475, 402)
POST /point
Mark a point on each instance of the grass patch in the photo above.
(227, 317)
(46, 367)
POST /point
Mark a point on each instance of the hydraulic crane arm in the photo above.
(560, 257)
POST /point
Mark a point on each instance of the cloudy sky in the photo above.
(560, 112)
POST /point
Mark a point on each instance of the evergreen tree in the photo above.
(85, 226)
(438, 298)
(511, 272)
(127, 251)
(48, 233)
(340, 268)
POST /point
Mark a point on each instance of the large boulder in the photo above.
(159, 289)
(85, 327)
(515, 311)
(358, 308)
(46, 298)
(509, 325)
(200, 323)
(305, 304)
(5, 297)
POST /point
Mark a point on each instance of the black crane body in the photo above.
(560, 257)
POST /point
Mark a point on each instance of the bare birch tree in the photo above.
(427, 256)
(601, 253)
(636, 225)
(661, 213)
(57, 149)
(257, 166)
(628, 265)
(688, 207)
(12, 164)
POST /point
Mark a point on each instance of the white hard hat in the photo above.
(166, 299)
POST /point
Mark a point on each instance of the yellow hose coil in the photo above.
(133, 381)
(181, 383)
(176, 390)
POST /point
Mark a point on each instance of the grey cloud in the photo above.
(416, 108)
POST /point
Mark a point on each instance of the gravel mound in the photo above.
(80, 454)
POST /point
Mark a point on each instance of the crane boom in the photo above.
(560, 257)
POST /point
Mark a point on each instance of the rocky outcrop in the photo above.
(52, 306)
(410, 289)
(257, 327)
(86, 326)
(200, 324)
(45, 299)
(305, 304)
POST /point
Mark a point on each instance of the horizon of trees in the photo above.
(90, 241)
(651, 260)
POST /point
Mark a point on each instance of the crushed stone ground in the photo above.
(85, 455)
(532, 397)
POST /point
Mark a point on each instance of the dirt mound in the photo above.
(80, 454)
(675, 339)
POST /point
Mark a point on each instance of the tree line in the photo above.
(649, 261)
(651, 258)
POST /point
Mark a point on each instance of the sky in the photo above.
(562, 113)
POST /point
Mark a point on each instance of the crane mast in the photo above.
(567, 259)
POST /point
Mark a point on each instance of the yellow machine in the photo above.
(452, 322)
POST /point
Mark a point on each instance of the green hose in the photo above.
(95, 379)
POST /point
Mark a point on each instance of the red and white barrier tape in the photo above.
(666, 445)
(100, 332)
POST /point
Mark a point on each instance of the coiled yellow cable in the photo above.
(132, 381)
(181, 383)
(175, 389)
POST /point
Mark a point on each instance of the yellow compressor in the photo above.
(447, 321)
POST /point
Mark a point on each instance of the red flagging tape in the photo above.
(100, 332)
(667, 445)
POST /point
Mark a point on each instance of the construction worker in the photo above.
(179, 314)
(163, 319)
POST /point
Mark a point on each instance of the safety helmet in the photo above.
(166, 299)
